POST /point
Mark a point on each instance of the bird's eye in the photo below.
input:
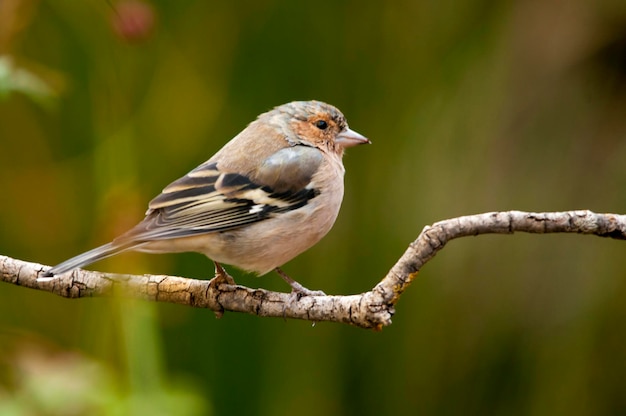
(321, 124)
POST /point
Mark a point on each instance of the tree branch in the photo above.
(373, 309)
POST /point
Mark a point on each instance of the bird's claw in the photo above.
(302, 291)
(296, 295)
(221, 276)
(297, 290)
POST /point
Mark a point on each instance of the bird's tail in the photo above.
(88, 257)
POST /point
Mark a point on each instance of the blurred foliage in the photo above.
(41, 380)
(472, 106)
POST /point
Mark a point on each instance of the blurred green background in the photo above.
(472, 106)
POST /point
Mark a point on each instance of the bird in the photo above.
(269, 194)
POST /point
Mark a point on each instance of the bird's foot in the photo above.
(222, 276)
(297, 290)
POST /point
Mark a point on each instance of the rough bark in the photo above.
(373, 309)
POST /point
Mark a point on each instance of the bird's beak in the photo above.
(350, 138)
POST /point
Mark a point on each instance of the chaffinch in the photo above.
(269, 194)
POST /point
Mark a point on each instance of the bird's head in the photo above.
(318, 124)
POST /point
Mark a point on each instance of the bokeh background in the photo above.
(472, 106)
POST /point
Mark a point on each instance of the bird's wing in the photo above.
(209, 200)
